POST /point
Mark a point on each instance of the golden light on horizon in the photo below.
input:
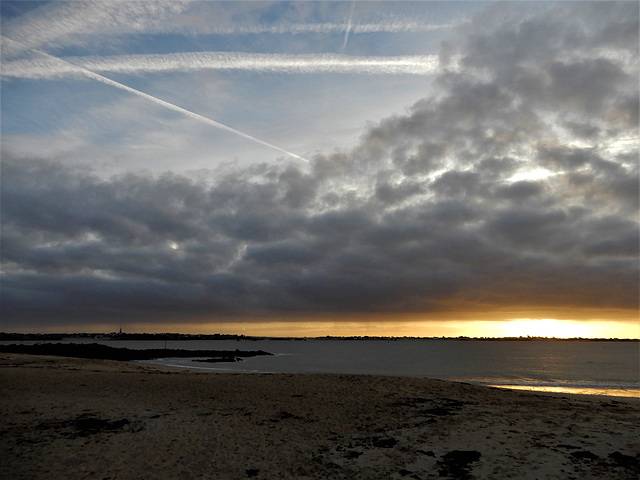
(548, 327)
(618, 326)
(520, 327)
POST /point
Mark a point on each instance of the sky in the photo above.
(320, 168)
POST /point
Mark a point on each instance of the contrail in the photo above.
(171, 106)
(258, 62)
(348, 30)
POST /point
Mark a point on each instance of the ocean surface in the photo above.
(584, 367)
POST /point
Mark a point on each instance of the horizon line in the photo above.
(343, 337)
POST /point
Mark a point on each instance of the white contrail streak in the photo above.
(63, 22)
(171, 106)
(349, 25)
(194, 61)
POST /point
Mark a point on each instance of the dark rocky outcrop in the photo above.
(625, 461)
(585, 455)
(231, 358)
(105, 352)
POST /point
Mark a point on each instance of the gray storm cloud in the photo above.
(515, 184)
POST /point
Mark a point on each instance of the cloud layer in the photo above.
(515, 185)
(61, 25)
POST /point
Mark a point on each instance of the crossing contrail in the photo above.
(171, 106)
(349, 25)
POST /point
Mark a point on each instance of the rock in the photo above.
(439, 411)
(217, 359)
(626, 461)
(585, 455)
(90, 425)
(428, 453)
(83, 426)
(456, 463)
(385, 443)
(351, 454)
(99, 351)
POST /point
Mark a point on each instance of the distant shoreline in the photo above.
(11, 336)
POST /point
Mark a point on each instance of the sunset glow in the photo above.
(379, 327)
(569, 328)
(515, 328)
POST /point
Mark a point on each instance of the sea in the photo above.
(609, 368)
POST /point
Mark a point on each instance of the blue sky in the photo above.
(305, 113)
(194, 164)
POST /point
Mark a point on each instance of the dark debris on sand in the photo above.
(84, 426)
(457, 463)
(615, 465)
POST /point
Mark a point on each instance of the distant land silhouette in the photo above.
(44, 337)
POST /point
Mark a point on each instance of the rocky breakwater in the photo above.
(105, 352)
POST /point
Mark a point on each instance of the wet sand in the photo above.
(100, 419)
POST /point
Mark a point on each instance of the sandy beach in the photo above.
(98, 419)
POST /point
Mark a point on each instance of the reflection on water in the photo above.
(610, 392)
(594, 368)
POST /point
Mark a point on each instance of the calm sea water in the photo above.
(596, 368)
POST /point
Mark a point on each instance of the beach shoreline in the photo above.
(77, 418)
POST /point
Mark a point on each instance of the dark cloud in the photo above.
(514, 185)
